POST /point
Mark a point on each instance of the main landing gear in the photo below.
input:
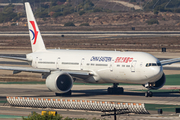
(64, 94)
(115, 89)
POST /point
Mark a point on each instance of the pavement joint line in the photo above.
(30, 108)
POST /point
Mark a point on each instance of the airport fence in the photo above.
(91, 105)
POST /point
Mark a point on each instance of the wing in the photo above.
(15, 58)
(24, 69)
(170, 61)
(45, 72)
(78, 74)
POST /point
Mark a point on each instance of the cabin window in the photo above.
(127, 65)
(123, 65)
(70, 63)
(118, 65)
(101, 64)
(46, 62)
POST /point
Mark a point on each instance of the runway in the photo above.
(92, 92)
(96, 33)
(86, 92)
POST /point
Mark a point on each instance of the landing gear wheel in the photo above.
(118, 90)
(148, 94)
(64, 94)
(110, 90)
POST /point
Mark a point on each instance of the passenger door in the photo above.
(112, 65)
(58, 63)
(82, 63)
(36, 62)
(133, 65)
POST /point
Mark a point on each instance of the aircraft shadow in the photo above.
(95, 92)
(155, 94)
(2, 98)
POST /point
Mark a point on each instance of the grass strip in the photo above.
(155, 107)
(172, 80)
(10, 116)
(3, 101)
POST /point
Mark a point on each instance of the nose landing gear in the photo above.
(115, 89)
(148, 93)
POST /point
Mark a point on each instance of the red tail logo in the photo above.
(35, 34)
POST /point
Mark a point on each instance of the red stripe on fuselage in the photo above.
(35, 32)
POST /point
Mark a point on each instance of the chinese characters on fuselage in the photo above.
(109, 59)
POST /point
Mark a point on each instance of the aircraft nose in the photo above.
(158, 71)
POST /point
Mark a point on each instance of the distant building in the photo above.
(6, 4)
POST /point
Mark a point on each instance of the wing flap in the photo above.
(77, 74)
(15, 58)
(24, 69)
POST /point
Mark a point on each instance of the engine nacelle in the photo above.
(59, 82)
(158, 84)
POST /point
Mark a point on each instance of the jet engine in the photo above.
(158, 84)
(59, 82)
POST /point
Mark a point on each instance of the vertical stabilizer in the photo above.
(37, 42)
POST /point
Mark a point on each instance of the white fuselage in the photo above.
(107, 66)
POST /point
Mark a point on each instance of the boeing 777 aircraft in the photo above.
(61, 68)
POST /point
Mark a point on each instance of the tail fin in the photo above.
(37, 42)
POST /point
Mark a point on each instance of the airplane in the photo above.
(61, 67)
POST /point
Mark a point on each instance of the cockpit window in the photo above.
(153, 64)
(159, 64)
